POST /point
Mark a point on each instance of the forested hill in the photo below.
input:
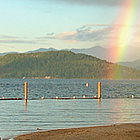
(62, 64)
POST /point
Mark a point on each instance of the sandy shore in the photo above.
(113, 132)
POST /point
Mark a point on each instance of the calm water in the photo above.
(116, 105)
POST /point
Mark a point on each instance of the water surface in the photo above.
(116, 105)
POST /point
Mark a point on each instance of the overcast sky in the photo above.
(32, 24)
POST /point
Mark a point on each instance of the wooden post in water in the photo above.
(26, 92)
(99, 90)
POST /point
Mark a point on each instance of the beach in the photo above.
(111, 132)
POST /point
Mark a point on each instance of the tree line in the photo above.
(62, 64)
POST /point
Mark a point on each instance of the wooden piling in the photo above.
(25, 91)
(99, 90)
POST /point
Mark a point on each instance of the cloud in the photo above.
(12, 39)
(50, 33)
(97, 2)
(84, 33)
(67, 35)
(108, 25)
(17, 41)
(44, 38)
(7, 37)
(88, 32)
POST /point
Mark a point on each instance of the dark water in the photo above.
(116, 105)
(67, 88)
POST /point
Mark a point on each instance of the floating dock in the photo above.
(68, 98)
(10, 98)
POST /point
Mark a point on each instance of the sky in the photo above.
(32, 24)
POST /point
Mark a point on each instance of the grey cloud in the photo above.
(85, 34)
(50, 33)
(96, 2)
(45, 37)
(7, 37)
(105, 25)
(17, 41)
(13, 39)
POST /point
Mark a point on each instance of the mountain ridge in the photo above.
(62, 64)
(134, 64)
(99, 52)
(132, 54)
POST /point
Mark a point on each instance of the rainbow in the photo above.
(122, 34)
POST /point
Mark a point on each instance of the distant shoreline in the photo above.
(114, 131)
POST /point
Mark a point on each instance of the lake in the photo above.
(116, 105)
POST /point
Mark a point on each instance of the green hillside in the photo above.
(62, 64)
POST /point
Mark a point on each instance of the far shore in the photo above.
(112, 132)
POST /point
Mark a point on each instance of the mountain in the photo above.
(2, 54)
(62, 64)
(108, 54)
(132, 53)
(96, 51)
(41, 50)
(34, 51)
(134, 64)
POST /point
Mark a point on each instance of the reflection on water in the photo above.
(99, 103)
(18, 118)
(25, 104)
